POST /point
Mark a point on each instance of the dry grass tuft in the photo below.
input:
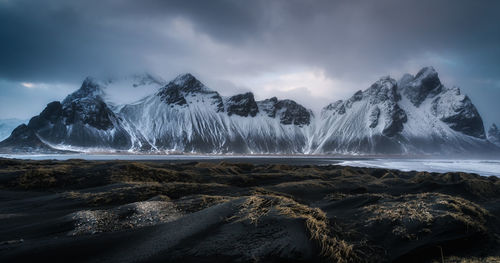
(41, 177)
(491, 259)
(424, 209)
(316, 222)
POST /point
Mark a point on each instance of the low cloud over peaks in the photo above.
(260, 46)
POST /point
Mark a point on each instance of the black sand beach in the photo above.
(126, 211)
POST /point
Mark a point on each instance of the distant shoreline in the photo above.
(481, 166)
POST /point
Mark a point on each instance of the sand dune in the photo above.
(124, 211)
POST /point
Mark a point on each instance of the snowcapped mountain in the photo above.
(82, 121)
(187, 116)
(415, 115)
(494, 134)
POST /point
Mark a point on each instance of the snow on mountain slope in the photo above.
(82, 120)
(364, 123)
(415, 115)
(187, 116)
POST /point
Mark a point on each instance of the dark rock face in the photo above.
(289, 111)
(292, 113)
(470, 124)
(242, 105)
(269, 106)
(172, 95)
(82, 119)
(24, 139)
(84, 106)
(188, 83)
(176, 91)
(24, 134)
(217, 100)
(51, 113)
(384, 90)
(384, 94)
(459, 113)
(425, 83)
(397, 119)
(97, 114)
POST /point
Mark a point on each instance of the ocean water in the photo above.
(482, 167)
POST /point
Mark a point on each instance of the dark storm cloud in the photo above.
(232, 41)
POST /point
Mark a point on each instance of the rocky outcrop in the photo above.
(24, 139)
(83, 119)
(457, 110)
(186, 87)
(242, 105)
(288, 111)
(424, 84)
(416, 115)
(384, 94)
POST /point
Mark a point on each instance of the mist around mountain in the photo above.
(494, 134)
(7, 126)
(415, 115)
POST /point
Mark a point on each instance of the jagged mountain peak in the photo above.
(188, 83)
(400, 116)
(382, 90)
(183, 84)
(288, 111)
(183, 78)
(426, 72)
(457, 110)
(385, 81)
(186, 90)
(425, 84)
(90, 88)
(415, 115)
(242, 104)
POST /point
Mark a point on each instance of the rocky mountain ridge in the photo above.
(415, 115)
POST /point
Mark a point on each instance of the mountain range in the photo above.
(414, 115)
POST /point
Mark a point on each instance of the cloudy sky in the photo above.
(312, 51)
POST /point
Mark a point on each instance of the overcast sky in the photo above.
(314, 52)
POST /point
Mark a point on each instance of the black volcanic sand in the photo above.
(124, 211)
